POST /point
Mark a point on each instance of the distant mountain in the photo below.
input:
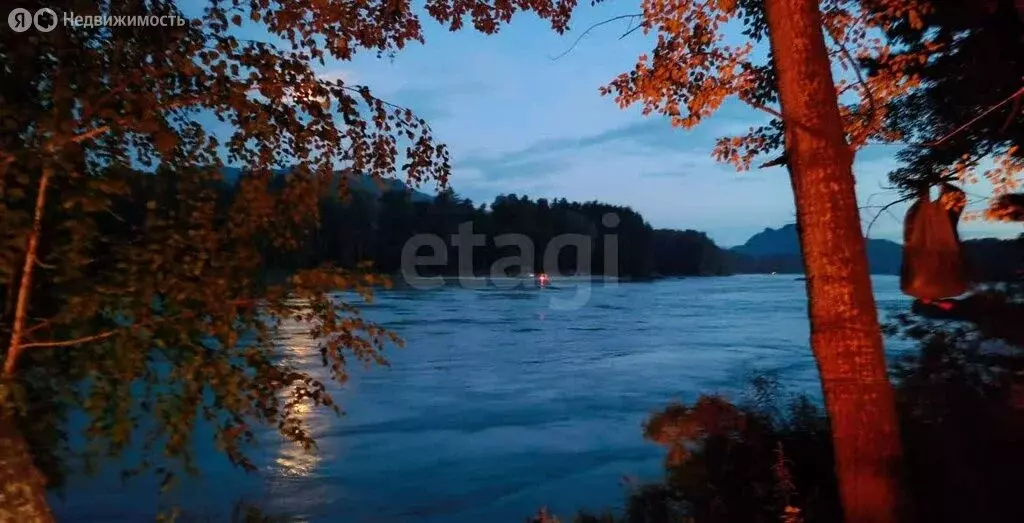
(772, 242)
(356, 182)
(778, 250)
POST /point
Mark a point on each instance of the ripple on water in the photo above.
(502, 403)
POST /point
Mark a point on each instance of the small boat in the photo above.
(543, 280)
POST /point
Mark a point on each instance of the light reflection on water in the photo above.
(501, 403)
(293, 461)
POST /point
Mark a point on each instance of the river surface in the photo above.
(504, 400)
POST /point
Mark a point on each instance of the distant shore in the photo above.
(399, 282)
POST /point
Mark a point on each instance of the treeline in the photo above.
(618, 240)
(370, 223)
(375, 224)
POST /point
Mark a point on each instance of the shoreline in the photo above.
(399, 282)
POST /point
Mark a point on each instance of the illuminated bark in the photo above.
(22, 486)
(845, 334)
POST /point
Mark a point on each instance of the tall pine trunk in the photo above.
(845, 334)
(22, 486)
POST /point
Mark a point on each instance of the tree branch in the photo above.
(595, 26)
(781, 160)
(104, 335)
(885, 208)
(856, 69)
(976, 118)
(68, 343)
(93, 133)
(362, 90)
(631, 30)
(761, 107)
(42, 324)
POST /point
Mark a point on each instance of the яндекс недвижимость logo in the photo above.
(46, 19)
(22, 20)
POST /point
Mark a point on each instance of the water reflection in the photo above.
(293, 461)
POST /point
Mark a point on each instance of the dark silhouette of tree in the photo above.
(362, 227)
(689, 252)
(977, 61)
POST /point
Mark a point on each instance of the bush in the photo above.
(769, 457)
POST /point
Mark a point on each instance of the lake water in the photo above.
(504, 401)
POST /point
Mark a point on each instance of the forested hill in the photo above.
(377, 219)
(368, 227)
(778, 250)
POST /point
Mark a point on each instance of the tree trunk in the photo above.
(22, 486)
(845, 334)
(14, 347)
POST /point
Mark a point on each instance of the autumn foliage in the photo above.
(135, 289)
(131, 281)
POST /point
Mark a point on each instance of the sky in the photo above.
(519, 120)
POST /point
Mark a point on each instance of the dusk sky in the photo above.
(518, 121)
